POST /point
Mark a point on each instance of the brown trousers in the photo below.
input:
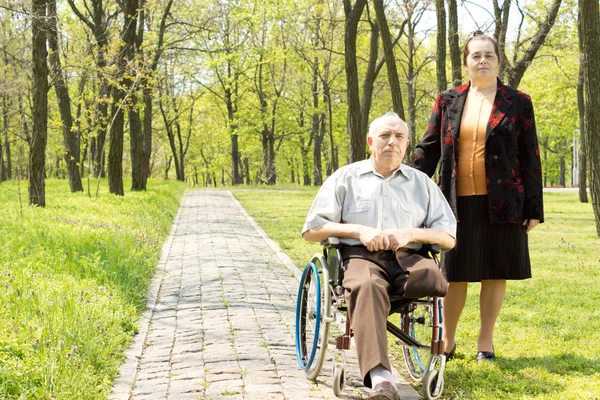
(370, 279)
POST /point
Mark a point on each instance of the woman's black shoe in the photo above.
(450, 355)
(485, 356)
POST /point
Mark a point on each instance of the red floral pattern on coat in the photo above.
(512, 157)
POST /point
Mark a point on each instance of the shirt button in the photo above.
(499, 181)
(474, 139)
(470, 174)
(471, 158)
(473, 193)
(492, 134)
(495, 157)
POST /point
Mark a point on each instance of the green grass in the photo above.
(547, 335)
(74, 276)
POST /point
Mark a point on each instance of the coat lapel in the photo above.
(458, 96)
(503, 101)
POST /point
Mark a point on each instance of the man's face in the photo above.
(388, 144)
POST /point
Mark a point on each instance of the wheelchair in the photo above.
(321, 296)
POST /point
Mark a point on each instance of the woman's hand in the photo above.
(530, 224)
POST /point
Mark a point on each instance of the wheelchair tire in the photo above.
(339, 375)
(313, 311)
(430, 382)
(417, 322)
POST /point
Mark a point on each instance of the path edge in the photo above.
(285, 259)
(123, 386)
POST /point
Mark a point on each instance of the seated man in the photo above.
(376, 207)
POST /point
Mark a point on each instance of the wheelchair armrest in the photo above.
(431, 248)
(331, 243)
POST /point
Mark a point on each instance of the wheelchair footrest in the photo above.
(342, 342)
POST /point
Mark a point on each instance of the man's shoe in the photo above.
(384, 391)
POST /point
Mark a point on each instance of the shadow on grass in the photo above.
(510, 378)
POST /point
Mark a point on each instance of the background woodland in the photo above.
(271, 92)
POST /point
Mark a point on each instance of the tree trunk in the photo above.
(98, 147)
(358, 140)
(115, 154)
(127, 54)
(440, 58)
(453, 42)
(171, 138)
(562, 181)
(137, 148)
(140, 158)
(582, 173)
(64, 103)
(315, 131)
(98, 25)
(390, 60)
(39, 137)
(4, 169)
(590, 29)
(236, 177)
(371, 73)
(332, 146)
(247, 170)
(411, 81)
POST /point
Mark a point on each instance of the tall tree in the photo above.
(39, 137)
(141, 139)
(121, 95)
(415, 62)
(390, 59)
(224, 40)
(358, 141)
(440, 58)
(514, 69)
(71, 153)
(98, 20)
(453, 43)
(4, 169)
(582, 164)
(590, 37)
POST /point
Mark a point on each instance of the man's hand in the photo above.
(374, 239)
(398, 238)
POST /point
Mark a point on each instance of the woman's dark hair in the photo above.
(478, 35)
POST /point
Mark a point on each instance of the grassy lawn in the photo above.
(546, 340)
(74, 278)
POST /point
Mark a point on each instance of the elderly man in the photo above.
(376, 207)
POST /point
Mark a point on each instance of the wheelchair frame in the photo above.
(321, 295)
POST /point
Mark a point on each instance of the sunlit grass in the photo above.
(74, 276)
(546, 337)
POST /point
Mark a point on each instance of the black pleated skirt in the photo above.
(485, 251)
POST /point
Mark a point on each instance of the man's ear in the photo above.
(369, 140)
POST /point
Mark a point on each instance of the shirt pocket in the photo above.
(410, 215)
(360, 206)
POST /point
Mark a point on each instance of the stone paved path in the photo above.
(220, 317)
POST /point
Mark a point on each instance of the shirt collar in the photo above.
(367, 166)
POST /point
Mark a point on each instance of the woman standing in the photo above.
(484, 133)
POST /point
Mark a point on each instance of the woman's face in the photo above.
(482, 61)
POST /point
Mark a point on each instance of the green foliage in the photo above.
(74, 278)
(551, 80)
(545, 335)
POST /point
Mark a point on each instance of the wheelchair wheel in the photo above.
(313, 311)
(417, 323)
(339, 374)
(431, 390)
